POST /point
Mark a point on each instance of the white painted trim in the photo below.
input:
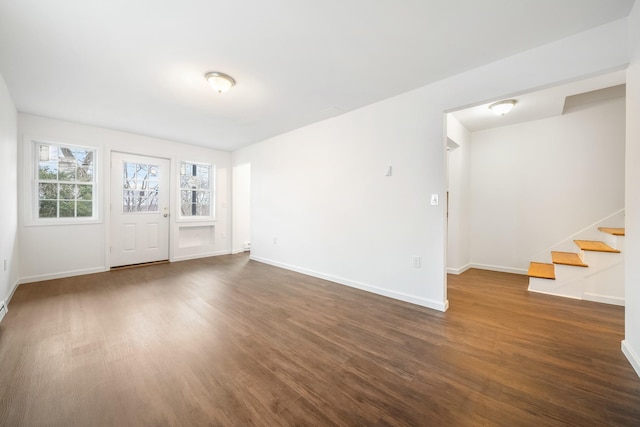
(60, 275)
(632, 356)
(460, 270)
(424, 302)
(199, 255)
(498, 268)
(8, 298)
(587, 296)
(553, 294)
(3, 310)
(238, 251)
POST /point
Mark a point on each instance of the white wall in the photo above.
(63, 250)
(8, 193)
(631, 343)
(459, 184)
(321, 203)
(241, 212)
(535, 184)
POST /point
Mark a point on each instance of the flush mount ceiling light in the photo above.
(501, 108)
(220, 82)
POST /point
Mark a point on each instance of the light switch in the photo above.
(434, 200)
(389, 171)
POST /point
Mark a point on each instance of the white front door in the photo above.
(139, 209)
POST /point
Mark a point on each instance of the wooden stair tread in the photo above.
(542, 270)
(596, 246)
(612, 230)
(567, 258)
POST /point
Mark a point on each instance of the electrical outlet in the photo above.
(434, 200)
(417, 261)
(275, 240)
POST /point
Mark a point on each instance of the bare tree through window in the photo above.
(141, 187)
(195, 190)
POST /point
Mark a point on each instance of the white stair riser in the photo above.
(570, 289)
(616, 242)
(600, 260)
(602, 281)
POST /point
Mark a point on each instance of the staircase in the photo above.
(594, 272)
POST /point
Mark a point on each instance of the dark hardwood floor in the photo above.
(231, 342)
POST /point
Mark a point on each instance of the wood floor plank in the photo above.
(232, 342)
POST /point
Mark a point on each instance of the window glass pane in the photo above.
(66, 165)
(203, 203)
(129, 174)
(48, 209)
(85, 173)
(126, 204)
(185, 203)
(153, 173)
(67, 209)
(85, 192)
(48, 191)
(203, 174)
(85, 209)
(67, 191)
(48, 170)
(142, 172)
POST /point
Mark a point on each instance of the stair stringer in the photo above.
(602, 281)
(606, 285)
(569, 282)
(591, 232)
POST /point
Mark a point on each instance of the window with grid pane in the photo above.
(65, 181)
(196, 190)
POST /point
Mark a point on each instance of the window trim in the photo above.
(32, 200)
(212, 194)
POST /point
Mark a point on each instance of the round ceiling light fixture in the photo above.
(220, 82)
(501, 108)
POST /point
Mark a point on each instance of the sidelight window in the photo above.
(196, 190)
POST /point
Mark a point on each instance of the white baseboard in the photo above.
(632, 356)
(200, 255)
(424, 302)
(238, 251)
(603, 298)
(60, 275)
(553, 294)
(498, 268)
(460, 270)
(3, 310)
(7, 298)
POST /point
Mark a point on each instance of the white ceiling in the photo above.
(541, 104)
(138, 65)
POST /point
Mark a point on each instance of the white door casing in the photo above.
(139, 209)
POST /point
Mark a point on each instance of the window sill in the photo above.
(195, 222)
(61, 221)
